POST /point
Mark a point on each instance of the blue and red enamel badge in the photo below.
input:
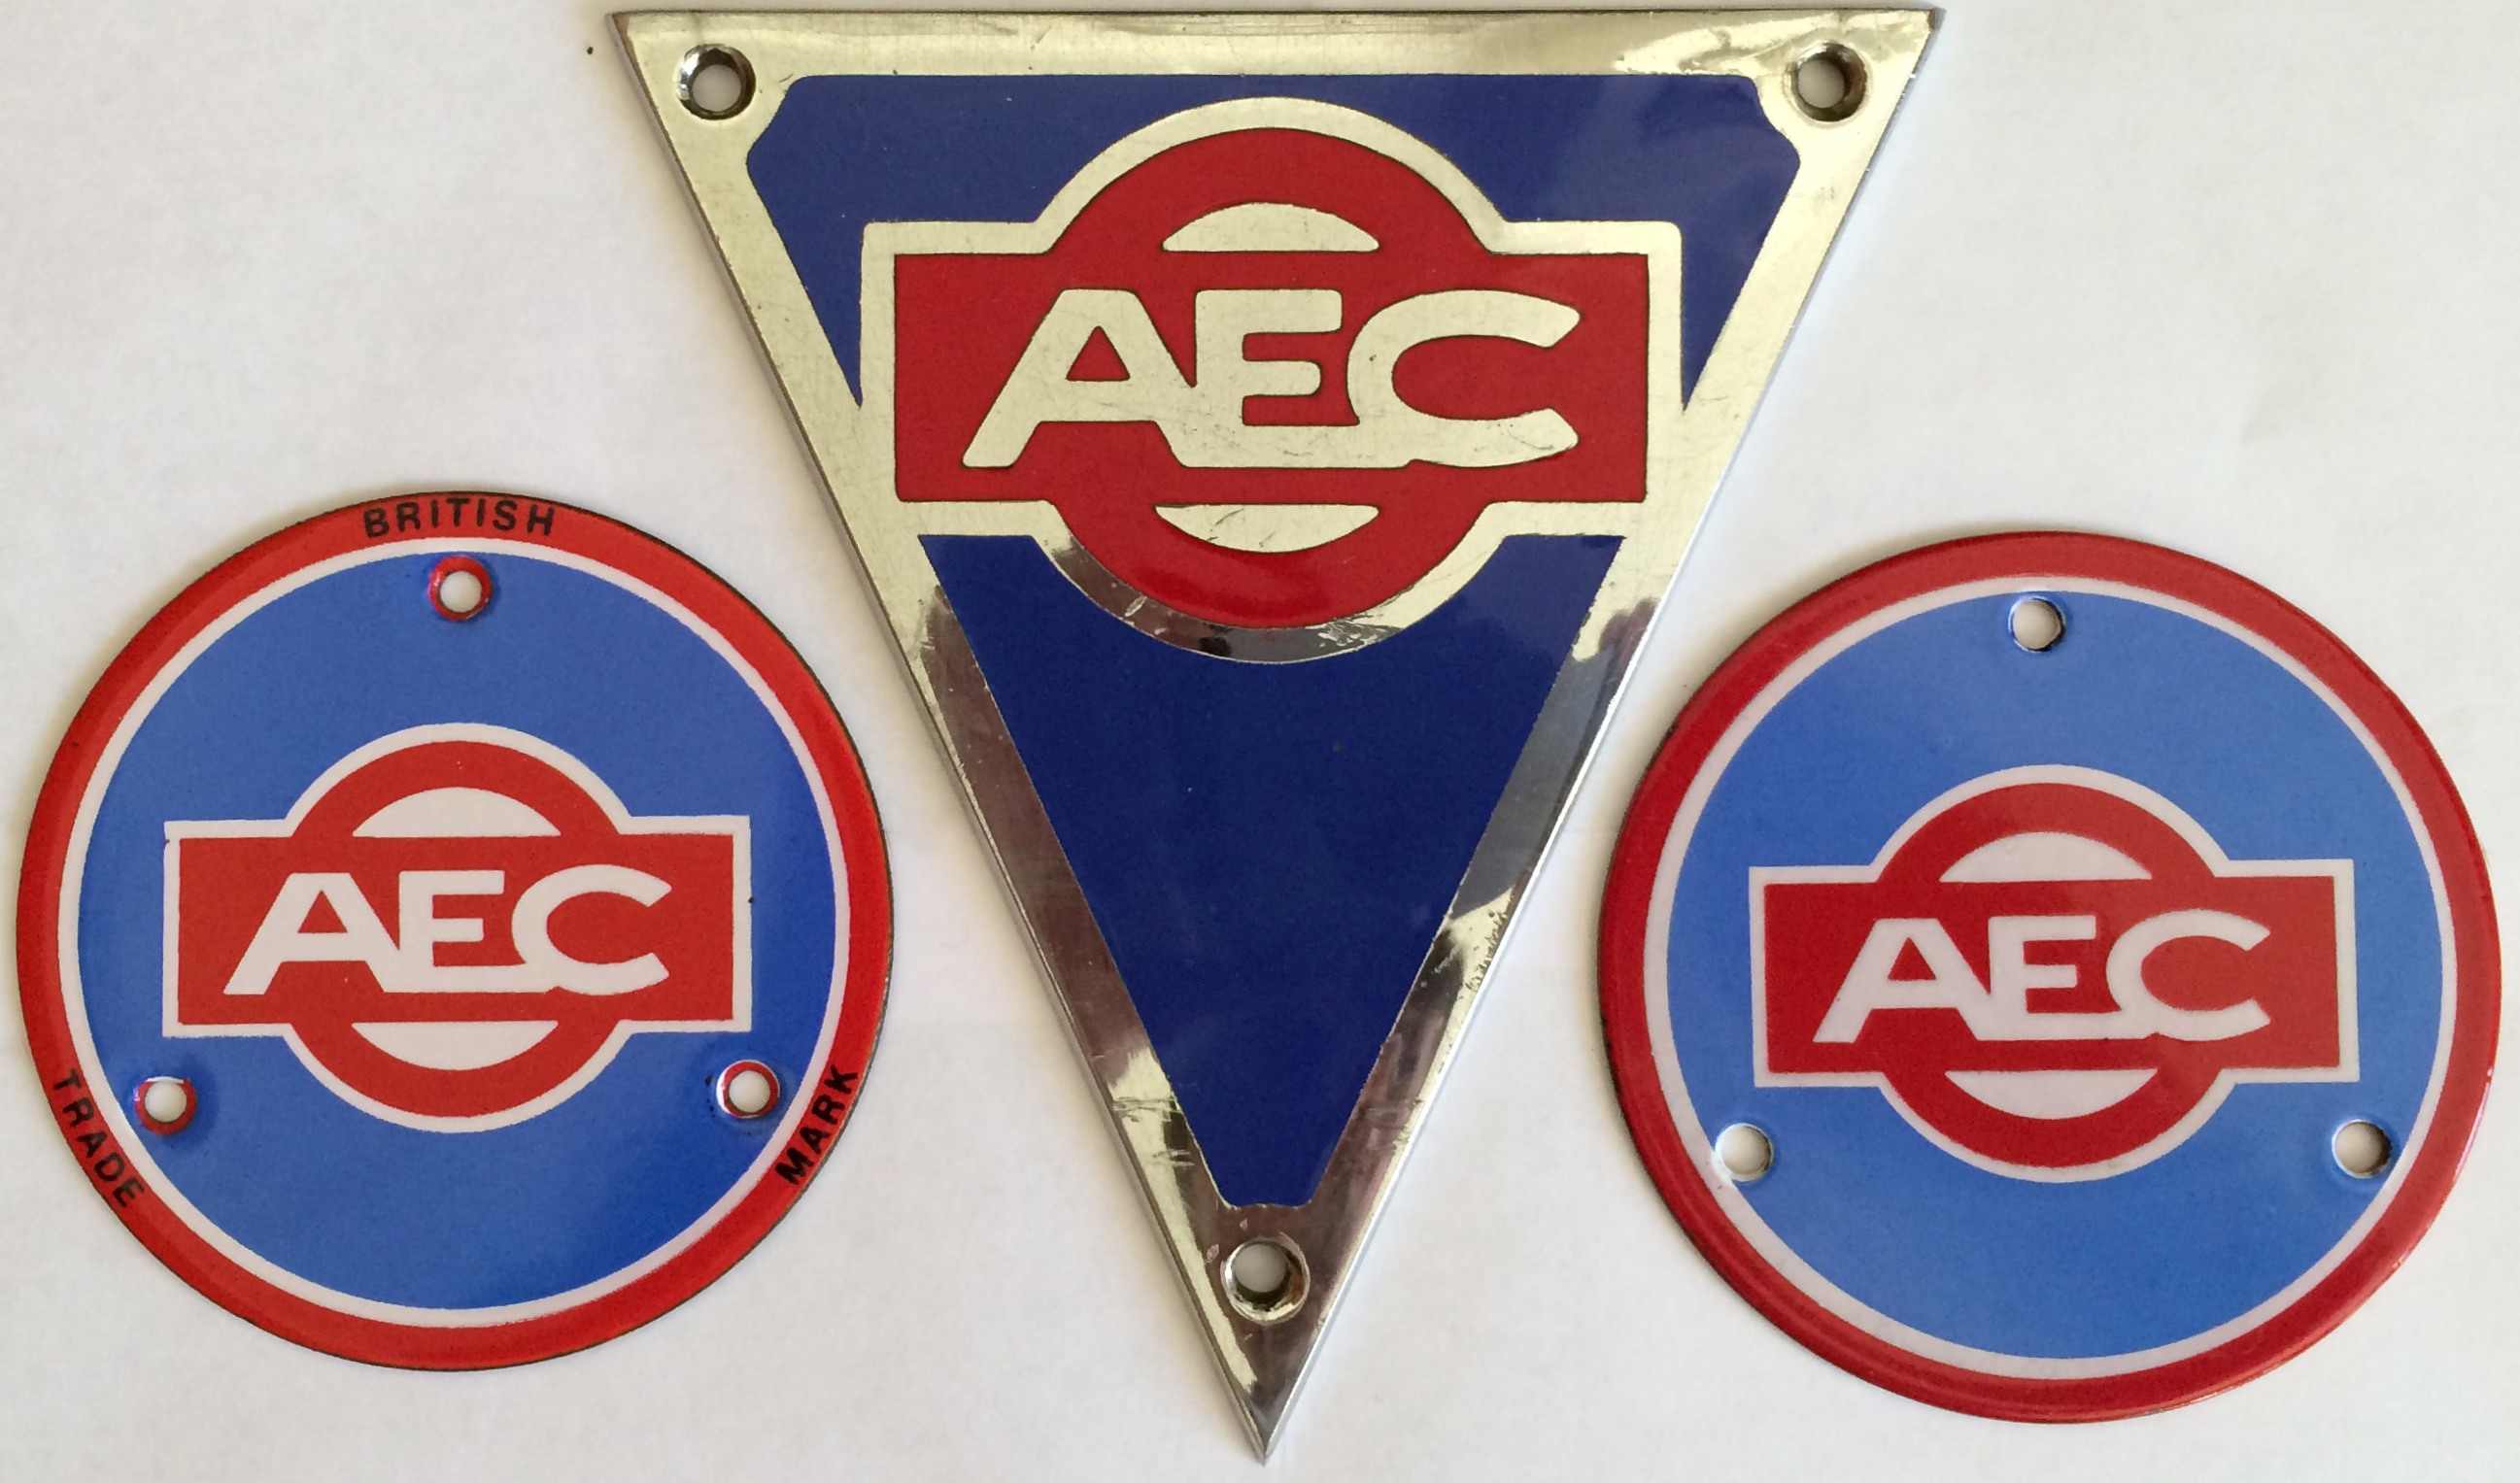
(1268, 438)
(453, 931)
(2050, 976)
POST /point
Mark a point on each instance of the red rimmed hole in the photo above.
(459, 588)
(165, 1104)
(747, 1090)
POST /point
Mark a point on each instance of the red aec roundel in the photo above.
(1272, 360)
(2055, 973)
(458, 925)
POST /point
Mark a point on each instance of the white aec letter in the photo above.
(1392, 432)
(411, 967)
(423, 929)
(1204, 423)
(531, 927)
(283, 938)
(2127, 985)
(2011, 975)
(1039, 392)
(2000, 1008)
(1869, 985)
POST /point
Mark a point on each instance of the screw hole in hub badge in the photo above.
(2038, 625)
(164, 1105)
(380, 1020)
(748, 1089)
(2126, 1003)
(459, 586)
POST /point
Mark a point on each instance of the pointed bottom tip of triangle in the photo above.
(1263, 1428)
(1263, 1409)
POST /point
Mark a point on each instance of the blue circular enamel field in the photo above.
(570, 1195)
(2218, 1223)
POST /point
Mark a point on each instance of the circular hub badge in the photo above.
(453, 931)
(2050, 976)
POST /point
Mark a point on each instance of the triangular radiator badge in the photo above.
(1270, 437)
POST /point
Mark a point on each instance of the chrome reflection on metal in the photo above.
(1225, 641)
(1264, 1338)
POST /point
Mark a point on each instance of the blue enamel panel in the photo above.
(1269, 848)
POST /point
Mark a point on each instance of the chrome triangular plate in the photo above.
(1268, 669)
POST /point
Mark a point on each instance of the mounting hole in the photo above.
(2361, 1149)
(1744, 1151)
(1829, 84)
(747, 1090)
(2037, 624)
(459, 588)
(1265, 1279)
(714, 81)
(165, 1103)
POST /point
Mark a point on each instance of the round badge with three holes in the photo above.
(454, 930)
(2050, 976)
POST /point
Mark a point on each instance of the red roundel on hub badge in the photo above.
(2053, 1025)
(446, 854)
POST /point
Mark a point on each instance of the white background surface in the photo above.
(2239, 280)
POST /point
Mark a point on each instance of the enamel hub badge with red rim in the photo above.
(1269, 437)
(2050, 976)
(423, 918)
